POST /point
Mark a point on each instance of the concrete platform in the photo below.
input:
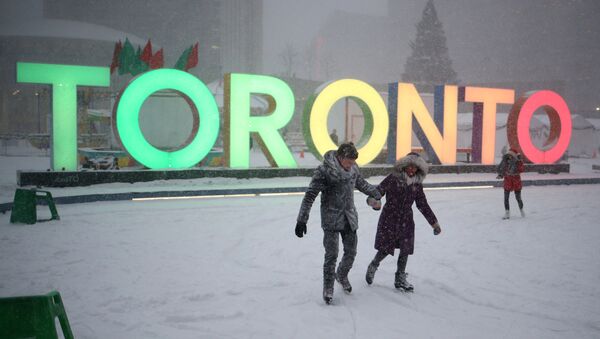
(222, 186)
(86, 178)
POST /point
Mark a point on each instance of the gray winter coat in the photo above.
(337, 194)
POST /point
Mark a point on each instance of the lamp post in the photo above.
(37, 101)
(346, 118)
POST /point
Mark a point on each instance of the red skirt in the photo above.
(512, 183)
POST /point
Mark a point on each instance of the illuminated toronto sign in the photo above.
(393, 123)
(64, 80)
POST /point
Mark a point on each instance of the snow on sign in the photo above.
(391, 123)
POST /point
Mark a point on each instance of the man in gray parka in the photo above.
(336, 179)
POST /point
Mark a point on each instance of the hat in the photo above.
(347, 150)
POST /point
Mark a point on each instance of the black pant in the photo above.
(331, 244)
(517, 196)
(402, 260)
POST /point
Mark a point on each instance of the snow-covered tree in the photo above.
(429, 64)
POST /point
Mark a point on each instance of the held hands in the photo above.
(374, 203)
(300, 229)
(436, 228)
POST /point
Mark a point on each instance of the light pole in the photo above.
(37, 101)
(346, 117)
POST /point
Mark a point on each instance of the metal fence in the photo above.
(39, 144)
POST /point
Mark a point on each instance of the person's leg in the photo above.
(349, 242)
(379, 256)
(506, 205)
(520, 202)
(400, 281)
(331, 245)
(402, 260)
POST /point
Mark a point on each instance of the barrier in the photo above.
(33, 317)
(24, 208)
(87, 178)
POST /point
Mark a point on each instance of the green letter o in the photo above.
(201, 102)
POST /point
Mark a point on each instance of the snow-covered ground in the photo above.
(233, 268)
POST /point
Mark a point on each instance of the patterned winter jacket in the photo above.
(336, 186)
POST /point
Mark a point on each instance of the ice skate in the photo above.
(506, 215)
(522, 213)
(370, 273)
(401, 283)
(343, 280)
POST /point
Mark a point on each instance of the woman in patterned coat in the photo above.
(396, 227)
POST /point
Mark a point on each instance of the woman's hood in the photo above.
(415, 160)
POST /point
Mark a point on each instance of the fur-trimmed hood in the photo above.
(411, 159)
(512, 153)
(509, 165)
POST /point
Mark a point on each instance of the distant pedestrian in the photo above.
(510, 169)
(396, 226)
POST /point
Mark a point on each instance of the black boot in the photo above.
(401, 283)
(328, 294)
(371, 272)
(328, 289)
(343, 280)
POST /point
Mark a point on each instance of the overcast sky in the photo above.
(297, 22)
(488, 40)
(496, 25)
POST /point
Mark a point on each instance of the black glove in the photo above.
(436, 229)
(499, 176)
(300, 229)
